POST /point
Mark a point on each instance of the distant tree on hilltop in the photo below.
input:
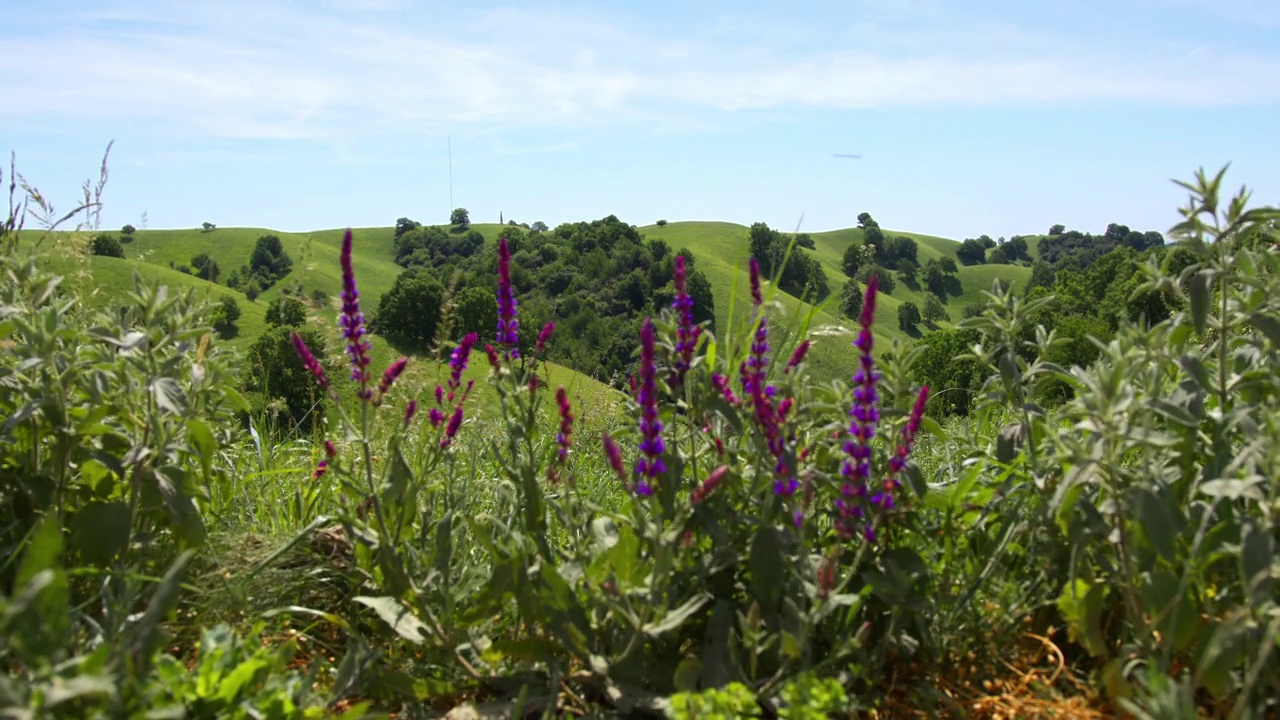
(460, 217)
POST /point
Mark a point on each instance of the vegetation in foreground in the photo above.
(743, 540)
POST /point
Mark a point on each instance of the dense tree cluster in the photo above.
(107, 246)
(1077, 249)
(798, 273)
(596, 280)
(268, 264)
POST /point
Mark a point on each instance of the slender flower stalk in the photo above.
(458, 364)
(797, 357)
(614, 454)
(390, 375)
(722, 384)
(451, 429)
(650, 466)
(864, 414)
(508, 324)
(409, 411)
(352, 322)
(543, 337)
(329, 450)
(756, 298)
(708, 486)
(435, 416)
(687, 331)
(309, 361)
(564, 437)
(898, 463)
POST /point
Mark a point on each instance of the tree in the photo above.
(851, 297)
(1018, 248)
(937, 274)
(410, 310)
(853, 259)
(1041, 275)
(460, 217)
(908, 316)
(276, 373)
(269, 261)
(128, 230)
(252, 290)
(887, 283)
(933, 310)
(1057, 229)
(475, 311)
(865, 221)
(972, 252)
(107, 246)
(900, 250)
(208, 226)
(404, 225)
(763, 247)
(948, 265)
(803, 240)
(1001, 255)
(662, 223)
(907, 273)
(539, 227)
(225, 315)
(987, 242)
(286, 312)
(704, 302)
(206, 267)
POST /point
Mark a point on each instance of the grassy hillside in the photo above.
(720, 250)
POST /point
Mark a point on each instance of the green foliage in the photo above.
(459, 217)
(410, 311)
(851, 296)
(226, 313)
(269, 262)
(660, 223)
(475, 311)
(286, 311)
(796, 273)
(277, 376)
(206, 268)
(908, 316)
(734, 700)
(107, 246)
(934, 310)
(128, 230)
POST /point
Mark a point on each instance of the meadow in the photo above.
(766, 522)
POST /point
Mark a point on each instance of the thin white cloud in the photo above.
(268, 71)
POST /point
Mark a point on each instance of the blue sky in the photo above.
(998, 117)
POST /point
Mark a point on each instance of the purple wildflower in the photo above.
(703, 491)
(309, 361)
(797, 357)
(390, 375)
(543, 337)
(687, 331)
(493, 357)
(756, 298)
(451, 429)
(566, 423)
(458, 363)
(508, 325)
(864, 415)
(650, 466)
(329, 450)
(722, 384)
(898, 463)
(409, 412)
(352, 322)
(614, 454)
(321, 468)
(435, 416)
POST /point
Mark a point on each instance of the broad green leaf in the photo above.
(1200, 294)
(1268, 325)
(100, 530)
(1159, 524)
(202, 438)
(1257, 550)
(932, 427)
(767, 566)
(42, 552)
(677, 617)
(169, 395)
(1233, 488)
(1220, 653)
(397, 616)
(1081, 605)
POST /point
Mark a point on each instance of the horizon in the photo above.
(996, 119)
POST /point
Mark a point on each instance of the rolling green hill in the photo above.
(720, 251)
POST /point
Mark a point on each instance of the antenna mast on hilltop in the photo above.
(450, 173)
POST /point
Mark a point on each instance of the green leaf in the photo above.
(444, 544)
(932, 427)
(677, 617)
(1267, 325)
(1081, 605)
(605, 531)
(397, 616)
(717, 651)
(202, 438)
(1233, 488)
(1200, 293)
(42, 552)
(1257, 548)
(145, 636)
(1158, 522)
(100, 530)
(169, 395)
(1219, 655)
(767, 565)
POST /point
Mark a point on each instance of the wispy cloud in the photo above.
(268, 71)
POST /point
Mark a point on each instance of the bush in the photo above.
(908, 316)
(286, 312)
(226, 314)
(662, 223)
(107, 246)
(128, 230)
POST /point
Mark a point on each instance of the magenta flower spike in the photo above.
(309, 361)
(650, 465)
(508, 324)
(352, 322)
(687, 331)
(864, 414)
(756, 298)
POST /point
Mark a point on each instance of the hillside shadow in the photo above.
(459, 229)
(953, 287)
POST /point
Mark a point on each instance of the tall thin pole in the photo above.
(451, 173)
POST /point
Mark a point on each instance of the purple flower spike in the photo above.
(756, 298)
(614, 453)
(543, 337)
(508, 325)
(309, 361)
(566, 423)
(451, 429)
(352, 322)
(650, 465)
(687, 331)
(409, 411)
(864, 415)
(390, 375)
(458, 363)
(798, 356)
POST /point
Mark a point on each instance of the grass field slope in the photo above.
(720, 250)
